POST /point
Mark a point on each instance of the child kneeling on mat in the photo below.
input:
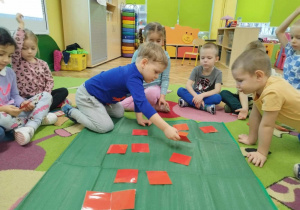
(275, 100)
(98, 99)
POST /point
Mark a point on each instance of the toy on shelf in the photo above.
(227, 17)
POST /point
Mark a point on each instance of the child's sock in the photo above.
(209, 108)
(50, 119)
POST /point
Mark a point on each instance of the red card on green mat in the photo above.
(158, 177)
(183, 136)
(139, 147)
(96, 200)
(124, 199)
(181, 127)
(181, 159)
(208, 129)
(126, 175)
(139, 132)
(117, 148)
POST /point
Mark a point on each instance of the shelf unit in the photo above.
(96, 28)
(233, 41)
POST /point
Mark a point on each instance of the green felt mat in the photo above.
(218, 176)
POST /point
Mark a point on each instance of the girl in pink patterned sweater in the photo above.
(33, 74)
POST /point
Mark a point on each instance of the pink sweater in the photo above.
(32, 78)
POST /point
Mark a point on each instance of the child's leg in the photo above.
(152, 94)
(115, 110)
(91, 113)
(6, 135)
(128, 104)
(231, 99)
(186, 96)
(58, 96)
(42, 103)
(214, 99)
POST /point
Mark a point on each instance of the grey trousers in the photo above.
(93, 114)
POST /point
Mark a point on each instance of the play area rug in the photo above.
(217, 177)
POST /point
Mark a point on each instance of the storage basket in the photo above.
(77, 62)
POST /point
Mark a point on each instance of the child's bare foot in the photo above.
(244, 138)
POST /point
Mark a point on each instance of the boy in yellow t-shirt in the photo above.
(274, 100)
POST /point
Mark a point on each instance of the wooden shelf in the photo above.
(233, 41)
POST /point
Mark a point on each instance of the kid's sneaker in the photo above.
(209, 108)
(23, 135)
(297, 170)
(66, 108)
(182, 103)
(50, 119)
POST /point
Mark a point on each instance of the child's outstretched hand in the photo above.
(19, 18)
(243, 113)
(172, 133)
(256, 158)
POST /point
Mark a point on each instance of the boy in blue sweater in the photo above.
(98, 98)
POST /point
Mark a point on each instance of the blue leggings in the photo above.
(6, 136)
(185, 95)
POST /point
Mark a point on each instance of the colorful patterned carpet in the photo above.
(22, 167)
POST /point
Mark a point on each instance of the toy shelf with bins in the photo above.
(233, 41)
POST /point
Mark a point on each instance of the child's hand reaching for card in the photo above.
(172, 133)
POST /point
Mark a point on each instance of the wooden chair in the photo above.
(196, 43)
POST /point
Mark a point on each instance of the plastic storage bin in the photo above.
(220, 39)
(230, 38)
(77, 62)
(228, 54)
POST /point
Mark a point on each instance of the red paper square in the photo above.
(183, 136)
(126, 175)
(139, 132)
(208, 129)
(181, 159)
(158, 177)
(117, 148)
(140, 147)
(96, 200)
(181, 127)
(123, 199)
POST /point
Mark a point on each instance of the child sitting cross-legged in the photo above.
(98, 99)
(19, 118)
(275, 100)
(204, 85)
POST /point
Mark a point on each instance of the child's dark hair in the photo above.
(150, 28)
(251, 60)
(6, 38)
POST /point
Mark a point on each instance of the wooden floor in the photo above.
(178, 73)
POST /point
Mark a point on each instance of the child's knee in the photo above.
(105, 128)
(218, 98)
(180, 91)
(224, 93)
